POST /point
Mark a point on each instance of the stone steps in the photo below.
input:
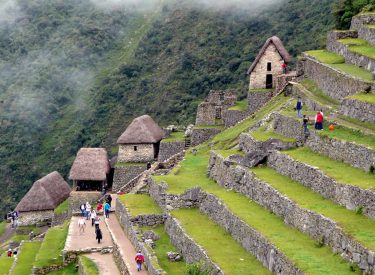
(354, 195)
(310, 213)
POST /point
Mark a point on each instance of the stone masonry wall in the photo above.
(315, 225)
(354, 154)
(231, 117)
(367, 34)
(336, 84)
(288, 126)
(76, 198)
(127, 153)
(359, 110)
(169, 149)
(200, 135)
(256, 100)
(124, 175)
(362, 19)
(351, 197)
(206, 114)
(35, 217)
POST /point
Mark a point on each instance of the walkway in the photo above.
(105, 263)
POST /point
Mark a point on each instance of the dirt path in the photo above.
(105, 263)
(126, 248)
(7, 234)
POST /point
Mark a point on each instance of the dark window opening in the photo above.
(269, 81)
(222, 97)
(135, 148)
(218, 113)
(269, 66)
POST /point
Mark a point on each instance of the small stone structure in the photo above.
(268, 64)
(44, 196)
(90, 169)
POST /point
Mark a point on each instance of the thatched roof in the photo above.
(45, 194)
(90, 164)
(142, 130)
(280, 48)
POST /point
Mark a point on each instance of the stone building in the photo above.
(141, 140)
(90, 170)
(268, 64)
(44, 196)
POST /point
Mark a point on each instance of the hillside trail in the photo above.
(7, 233)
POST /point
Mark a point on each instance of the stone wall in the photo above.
(257, 100)
(222, 97)
(282, 80)
(315, 225)
(362, 19)
(288, 126)
(123, 175)
(206, 114)
(368, 34)
(359, 110)
(76, 198)
(200, 135)
(135, 153)
(259, 73)
(169, 149)
(35, 217)
(352, 197)
(232, 117)
(352, 153)
(336, 84)
(151, 261)
(185, 245)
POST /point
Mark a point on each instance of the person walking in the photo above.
(99, 207)
(93, 217)
(305, 122)
(99, 235)
(96, 222)
(139, 259)
(109, 200)
(83, 209)
(81, 225)
(319, 120)
(10, 252)
(284, 67)
(88, 210)
(299, 107)
(107, 208)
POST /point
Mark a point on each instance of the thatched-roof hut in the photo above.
(43, 197)
(90, 169)
(140, 141)
(268, 64)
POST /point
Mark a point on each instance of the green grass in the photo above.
(68, 270)
(140, 204)
(219, 127)
(50, 252)
(358, 226)
(26, 258)
(228, 153)
(239, 106)
(341, 172)
(359, 46)
(220, 247)
(3, 226)
(62, 208)
(354, 71)
(360, 124)
(175, 136)
(89, 266)
(264, 134)
(326, 57)
(164, 245)
(365, 97)
(5, 263)
(318, 93)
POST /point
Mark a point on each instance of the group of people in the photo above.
(14, 215)
(319, 118)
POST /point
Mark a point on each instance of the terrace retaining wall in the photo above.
(359, 110)
(169, 149)
(200, 135)
(123, 175)
(257, 100)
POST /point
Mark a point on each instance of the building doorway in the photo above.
(269, 81)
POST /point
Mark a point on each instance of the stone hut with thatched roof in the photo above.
(90, 169)
(44, 196)
(268, 64)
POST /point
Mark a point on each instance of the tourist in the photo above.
(139, 259)
(305, 122)
(99, 235)
(81, 225)
(299, 107)
(88, 210)
(107, 208)
(99, 207)
(319, 120)
(93, 217)
(96, 222)
(284, 67)
(83, 209)
(9, 252)
(109, 200)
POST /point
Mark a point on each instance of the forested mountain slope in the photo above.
(73, 74)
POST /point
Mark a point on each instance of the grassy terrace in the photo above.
(163, 245)
(175, 136)
(26, 258)
(298, 247)
(358, 226)
(62, 208)
(52, 245)
(317, 94)
(359, 46)
(68, 270)
(354, 123)
(337, 62)
(89, 266)
(334, 169)
(365, 97)
(3, 226)
(5, 263)
(264, 134)
(220, 247)
(239, 106)
(140, 204)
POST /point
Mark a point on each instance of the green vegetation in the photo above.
(341, 172)
(197, 269)
(318, 94)
(5, 263)
(140, 204)
(175, 136)
(354, 123)
(326, 57)
(164, 245)
(344, 10)
(3, 226)
(240, 106)
(62, 208)
(52, 245)
(89, 265)
(68, 270)
(26, 258)
(220, 247)
(218, 126)
(354, 71)
(264, 133)
(361, 228)
(365, 97)
(359, 46)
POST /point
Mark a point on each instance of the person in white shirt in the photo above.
(81, 225)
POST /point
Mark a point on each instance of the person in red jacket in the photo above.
(319, 120)
(139, 259)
